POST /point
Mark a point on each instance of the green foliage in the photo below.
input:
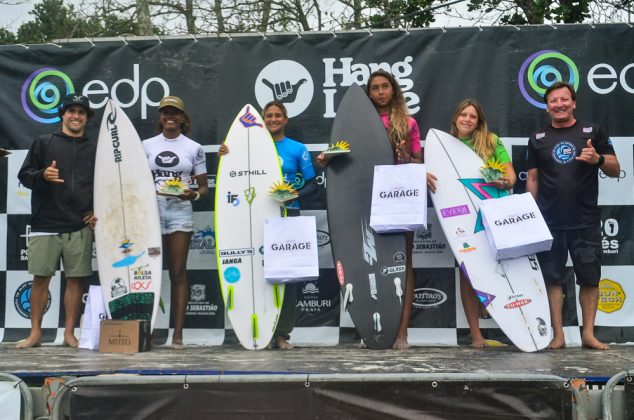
(519, 12)
(7, 37)
(55, 20)
(400, 13)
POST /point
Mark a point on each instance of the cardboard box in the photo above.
(124, 336)
(514, 226)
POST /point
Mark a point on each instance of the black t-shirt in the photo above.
(568, 189)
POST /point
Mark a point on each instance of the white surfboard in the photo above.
(128, 232)
(513, 290)
(243, 180)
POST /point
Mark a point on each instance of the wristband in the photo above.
(601, 160)
(197, 196)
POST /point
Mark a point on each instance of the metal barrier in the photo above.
(606, 396)
(25, 392)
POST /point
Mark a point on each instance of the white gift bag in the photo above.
(290, 249)
(399, 198)
(514, 226)
(94, 313)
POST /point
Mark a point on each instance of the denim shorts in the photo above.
(176, 215)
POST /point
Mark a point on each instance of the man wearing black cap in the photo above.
(59, 171)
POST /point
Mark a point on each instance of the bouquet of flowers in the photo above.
(282, 191)
(492, 170)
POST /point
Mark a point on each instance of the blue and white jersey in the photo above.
(297, 165)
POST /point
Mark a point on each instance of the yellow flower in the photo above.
(340, 145)
(173, 185)
(281, 187)
(495, 164)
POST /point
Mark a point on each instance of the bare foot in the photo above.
(400, 343)
(557, 344)
(178, 345)
(593, 344)
(28, 343)
(479, 343)
(70, 341)
(282, 344)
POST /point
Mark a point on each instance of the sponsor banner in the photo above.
(619, 190)
(3, 240)
(203, 336)
(432, 337)
(206, 204)
(434, 299)
(165, 305)
(616, 297)
(18, 196)
(314, 74)
(317, 301)
(18, 231)
(204, 301)
(202, 249)
(617, 235)
(17, 301)
(3, 185)
(323, 237)
(3, 300)
(517, 149)
(430, 248)
(315, 336)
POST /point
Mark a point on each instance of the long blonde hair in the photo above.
(398, 130)
(484, 141)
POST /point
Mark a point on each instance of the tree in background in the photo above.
(52, 19)
(6, 37)
(400, 13)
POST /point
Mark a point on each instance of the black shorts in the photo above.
(585, 250)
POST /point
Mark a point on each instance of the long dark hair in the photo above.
(399, 127)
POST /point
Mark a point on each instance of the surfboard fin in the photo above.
(254, 326)
(347, 297)
(399, 289)
(229, 298)
(276, 296)
(377, 322)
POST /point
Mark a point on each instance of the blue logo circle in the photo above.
(564, 152)
(22, 300)
(232, 275)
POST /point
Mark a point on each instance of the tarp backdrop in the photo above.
(505, 68)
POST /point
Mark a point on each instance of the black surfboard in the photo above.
(370, 266)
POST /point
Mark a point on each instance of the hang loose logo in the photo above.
(284, 91)
(286, 81)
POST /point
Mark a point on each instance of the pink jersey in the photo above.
(414, 132)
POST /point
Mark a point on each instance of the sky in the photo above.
(12, 16)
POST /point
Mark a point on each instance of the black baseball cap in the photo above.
(76, 99)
